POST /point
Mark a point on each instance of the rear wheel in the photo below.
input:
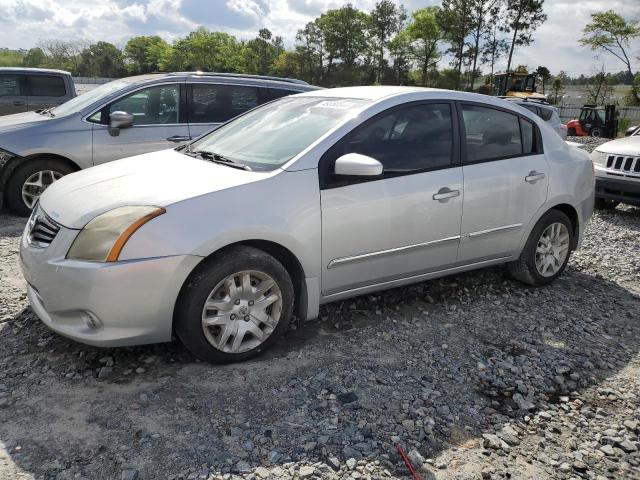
(546, 252)
(235, 306)
(31, 180)
(571, 132)
(605, 204)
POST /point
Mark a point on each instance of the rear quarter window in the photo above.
(46, 86)
(546, 114)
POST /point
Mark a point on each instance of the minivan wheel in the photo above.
(605, 204)
(234, 307)
(30, 180)
(546, 252)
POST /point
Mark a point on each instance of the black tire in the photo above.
(596, 132)
(524, 269)
(605, 204)
(200, 284)
(23, 172)
(571, 132)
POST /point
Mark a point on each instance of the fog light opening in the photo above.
(92, 321)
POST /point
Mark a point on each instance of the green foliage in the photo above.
(523, 17)
(11, 58)
(145, 54)
(35, 57)
(612, 33)
(424, 33)
(101, 59)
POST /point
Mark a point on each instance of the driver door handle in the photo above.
(178, 139)
(445, 193)
(534, 176)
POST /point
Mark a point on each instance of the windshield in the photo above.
(78, 103)
(268, 137)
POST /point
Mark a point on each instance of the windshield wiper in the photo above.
(46, 111)
(217, 158)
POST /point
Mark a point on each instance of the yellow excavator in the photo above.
(519, 84)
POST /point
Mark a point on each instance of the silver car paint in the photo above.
(211, 206)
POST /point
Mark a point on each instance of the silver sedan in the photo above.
(303, 201)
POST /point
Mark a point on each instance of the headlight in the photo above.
(599, 158)
(102, 239)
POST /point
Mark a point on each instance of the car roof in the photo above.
(254, 80)
(33, 70)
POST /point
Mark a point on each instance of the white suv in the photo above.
(617, 167)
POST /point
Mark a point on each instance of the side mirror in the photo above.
(118, 120)
(354, 164)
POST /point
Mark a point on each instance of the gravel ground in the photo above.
(475, 376)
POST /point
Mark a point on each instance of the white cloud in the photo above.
(25, 22)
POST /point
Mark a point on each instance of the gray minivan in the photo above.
(26, 89)
(120, 119)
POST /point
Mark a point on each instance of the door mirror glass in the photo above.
(354, 164)
(118, 120)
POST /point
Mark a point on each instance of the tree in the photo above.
(385, 21)
(484, 14)
(494, 49)
(454, 18)
(401, 53)
(35, 57)
(600, 89)
(612, 33)
(64, 54)
(424, 34)
(544, 74)
(343, 30)
(523, 17)
(145, 53)
(203, 50)
(101, 59)
(556, 86)
(310, 47)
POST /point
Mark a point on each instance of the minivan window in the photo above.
(80, 102)
(159, 104)
(46, 86)
(273, 134)
(490, 133)
(9, 85)
(413, 138)
(218, 103)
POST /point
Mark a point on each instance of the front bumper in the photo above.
(620, 189)
(103, 304)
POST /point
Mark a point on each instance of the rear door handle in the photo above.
(534, 176)
(445, 193)
(18, 103)
(178, 139)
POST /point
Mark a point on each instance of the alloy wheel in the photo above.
(37, 183)
(242, 311)
(552, 249)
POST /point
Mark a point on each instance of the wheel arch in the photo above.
(281, 253)
(9, 169)
(572, 213)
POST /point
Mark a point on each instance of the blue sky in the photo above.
(25, 22)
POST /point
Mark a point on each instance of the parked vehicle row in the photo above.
(122, 118)
(310, 199)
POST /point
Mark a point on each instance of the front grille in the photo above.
(42, 229)
(624, 164)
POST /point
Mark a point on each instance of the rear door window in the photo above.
(10, 85)
(491, 134)
(217, 103)
(46, 86)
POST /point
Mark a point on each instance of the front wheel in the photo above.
(546, 252)
(596, 132)
(234, 307)
(31, 180)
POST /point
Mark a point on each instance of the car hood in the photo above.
(21, 120)
(157, 178)
(622, 146)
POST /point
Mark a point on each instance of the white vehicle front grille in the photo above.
(41, 229)
(624, 164)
